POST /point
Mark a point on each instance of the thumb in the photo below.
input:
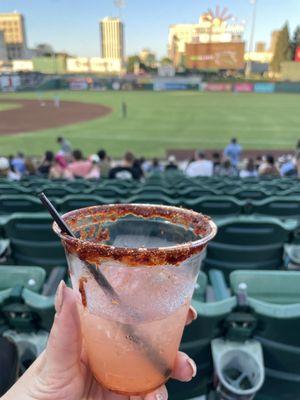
(65, 342)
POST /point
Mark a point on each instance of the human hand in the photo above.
(62, 372)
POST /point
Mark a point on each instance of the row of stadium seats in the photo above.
(192, 191)
(215, 206)
(244, 242)
(268, 313)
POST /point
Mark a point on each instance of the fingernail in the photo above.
(193, 366)
(194, 313)
(59, 298)
(159, 396)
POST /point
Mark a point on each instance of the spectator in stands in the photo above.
(104, 164)
(172, 164)
(128, 170)
(95, 171)
(30, 167)
(249, 170)
(44, 168)
(6, 172)
(258, 162)
(145, 165)
(156, 167)
(233, 151)
(227, 169)
(287, 166)
(216, 159)
(59, 169)
(65, 147)
(200, 167)
(18, 164)
(79, 167)
(268, 167)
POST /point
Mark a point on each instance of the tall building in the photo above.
(3, 52)
(13, 27)
(112, 38)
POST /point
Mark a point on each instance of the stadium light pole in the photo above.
(252, 33)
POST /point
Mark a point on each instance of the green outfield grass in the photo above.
(160, 121)
(7, 106)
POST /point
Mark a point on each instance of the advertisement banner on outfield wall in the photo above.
(243, 87)
(287, 87)
(264, 87)
(216, 87)
(78, 84)
(177, 84)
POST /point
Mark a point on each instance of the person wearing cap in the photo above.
(95, 171)
(172, 164)
(6, 172)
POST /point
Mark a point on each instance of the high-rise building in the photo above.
(13, 27)
(3, 52)
(112, 38)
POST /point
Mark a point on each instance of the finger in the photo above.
(192, 315)
(185, 368)
(158, 394)
(64, 345)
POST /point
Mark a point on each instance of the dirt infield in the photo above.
(34, 115)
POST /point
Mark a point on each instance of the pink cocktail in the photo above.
(150, 255)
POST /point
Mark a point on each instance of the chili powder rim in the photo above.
(92, 252)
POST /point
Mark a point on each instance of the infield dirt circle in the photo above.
(34, 115)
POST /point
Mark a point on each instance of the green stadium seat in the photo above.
(154, 189)
(274, 298)
(32, 241)
(75, 201)
(278, 206)
(150, 198)
(32, 278)
(12, 203)
(196, 342)
(57, 191)
(248, 242)
(215, 206)
(12, 188)
(195, 192)
(110, 192)
(250, 193)
(23, 310)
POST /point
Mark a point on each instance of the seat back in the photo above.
(32, 278)
(33, 241)
(19, 203)
(248, 242)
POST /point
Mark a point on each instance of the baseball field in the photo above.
(155, 121)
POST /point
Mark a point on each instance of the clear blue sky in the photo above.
(72, 25)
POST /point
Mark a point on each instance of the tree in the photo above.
(166, 61)
(295, 42)
(131, 62)
(282, 49)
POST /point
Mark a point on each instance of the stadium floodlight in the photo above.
(252, 33)
(120, 4)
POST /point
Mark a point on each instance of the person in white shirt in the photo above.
(200, 167)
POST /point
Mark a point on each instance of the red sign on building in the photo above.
(297, 55)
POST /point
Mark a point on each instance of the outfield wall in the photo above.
(40, 82)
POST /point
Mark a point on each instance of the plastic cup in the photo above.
(150, 255)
